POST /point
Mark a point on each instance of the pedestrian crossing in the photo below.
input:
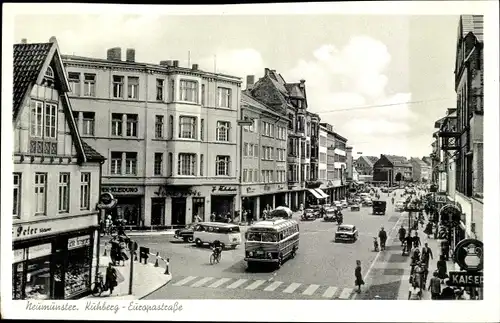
(311, 290)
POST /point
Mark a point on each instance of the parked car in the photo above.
(344, 204)
(309, 215)
(330, 215)
(346, 232)
(379, 207)
(186, 234)
(355, 207)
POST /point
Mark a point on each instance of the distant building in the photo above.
(427, 160)
(364, 164)
(421, 170)
(336, 184)
(387, 168)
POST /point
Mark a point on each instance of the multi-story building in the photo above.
(387, 168)
(56, 183)
(314, 146)
(350, 164)
(336, 163)
(421, 170)
(264, 155)
(169, 132)
(291, 99)
(364, 164)
(461, 132)
(427, 160)
(322, 149)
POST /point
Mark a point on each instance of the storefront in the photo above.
(130, 204)
(222, 200)
(54, 259)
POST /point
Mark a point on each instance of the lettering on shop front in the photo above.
(465, 279)
(172, 192)
(26, 231)
(78, 242)
(223, 188)
(120, 190)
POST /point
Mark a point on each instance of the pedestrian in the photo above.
(402, 234)
(359, 279)
(416, 240)
(428, 229)
(409, 243)
(123, 248)
(447, 293)
(435, 286)
(442, 268)
(111, 278)
(426, 254)
(382, 235)
(212, 217)
(415, 292)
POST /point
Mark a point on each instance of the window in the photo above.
(118, 86)
(89, 85)
(322, 174)
(159, 89)
(202, 129)
(255, 150)
(201, 164)
(171, 127)
(189, 91)
(158, 166)
(50, 120)
(187, 127)
(16, 202)
(322, 158)
(186, 164)
(267, 153)
(222, 166)
(88, 123)
(37, 119)
(224, 97)
(116, 124)
(203, 94)
(40, 193)
(255, 175)
(245, 176)
(222, 131)
(49, 72)
(170, 164)
(159, 127)
(63, 192)
(131, 163)
(43, 120)
(172, 91)
(250, 175)
(85, 191)
(308, 149)
(322, 141)
(116, 163)
(131, 125)
(133, 87)
(245, 149)
(74, 82)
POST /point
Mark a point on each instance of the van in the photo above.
(207, 232)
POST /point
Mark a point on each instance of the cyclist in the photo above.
(217, 247)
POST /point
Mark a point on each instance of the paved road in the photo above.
(322, 268)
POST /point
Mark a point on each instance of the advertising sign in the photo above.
(451, 214)
(440, 198)
(469, 255)
(78, 242)
(466, 279)
(107, 201)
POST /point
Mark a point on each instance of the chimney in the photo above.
(267, 71)
(115, 54)
(130, 55)
(250, 81)
(175, 63)
(53, 39)
(302, 83)
(195, 67)
(166, 63)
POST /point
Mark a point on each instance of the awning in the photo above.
(320, 191)
(316, 194)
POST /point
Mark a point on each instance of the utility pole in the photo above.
(132, 251)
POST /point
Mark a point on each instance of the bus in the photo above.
(271, 241)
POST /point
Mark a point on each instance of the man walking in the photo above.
(382, 235)
(402, 234)
(416, 240)
(435, 286)
(426, 254)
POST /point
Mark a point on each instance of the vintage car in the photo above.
(186, 233)
(309, 215)
(344, 204)
(346, 232)
(399, 206)
(367, 201)
(355, 207)
(337, 204)
(379, 207)
(330, 215)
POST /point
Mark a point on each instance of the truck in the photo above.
(379, 207)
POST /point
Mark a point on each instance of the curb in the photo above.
(147, 233)
(156, 289)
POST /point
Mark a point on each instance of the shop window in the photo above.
(77, 277)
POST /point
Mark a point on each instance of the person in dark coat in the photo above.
(428, 229)
(111, 278)
(426, 254)
(382, 235)
(447, 293)
(402, 234)
(416, 240)
(442, 268)
(357, 273)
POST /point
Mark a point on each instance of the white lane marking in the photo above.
(346, 292)
(290, 289)
(237, 283)
(201, 282)
(255, 284)
(273, 286)
(219, 282)
(185, 280)
(330, 292)
(310, 290)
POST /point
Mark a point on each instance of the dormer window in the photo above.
(49, 72)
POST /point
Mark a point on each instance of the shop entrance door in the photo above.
(158, 211)
(178, 211)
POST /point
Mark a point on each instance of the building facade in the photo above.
(264, 155)
(314, 143)
(56, 183)
(364, 164)
(169, 133)
(322, 153)
(387, 168)
(349, 164)
(421, 170)
(335, 185)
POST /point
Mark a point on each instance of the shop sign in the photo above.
(440, 198)
(19, 255)
(450, 214)
(165, 191)
(250, 189)
(469, 255)
(107, 201)
(122, 190)
(78, 242)
(466, 279)
(40, 250)
(38, 229)
(224, 189)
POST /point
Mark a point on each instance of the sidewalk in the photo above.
(146, 279)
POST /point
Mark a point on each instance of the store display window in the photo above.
(78, 270)
(38, 278)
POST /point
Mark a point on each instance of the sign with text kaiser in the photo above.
(466, 279)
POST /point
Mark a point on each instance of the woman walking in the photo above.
(415, 292)
(359, 279)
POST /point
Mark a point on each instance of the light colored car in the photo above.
(330, 214)
(346, 232)
(344, 204)
(399, 206)
(337, 204)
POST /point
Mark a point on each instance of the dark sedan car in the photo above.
(346, 232)
(186, 233)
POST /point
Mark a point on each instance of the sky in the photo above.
(381, 81)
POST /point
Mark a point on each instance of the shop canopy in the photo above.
(315, 193)
(320, 192)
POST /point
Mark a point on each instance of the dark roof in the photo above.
(371, 160)
(28, 62)
(91, 153)
(246, 97)
(398, 160)
(294, 90)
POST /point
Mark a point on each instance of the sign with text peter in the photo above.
(466, 279)
(469, 255)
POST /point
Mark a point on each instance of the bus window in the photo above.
(269, 237)
(253, 236)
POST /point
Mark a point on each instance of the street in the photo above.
(322, 268)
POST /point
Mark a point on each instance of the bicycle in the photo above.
(99, 286)
(215, 256)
